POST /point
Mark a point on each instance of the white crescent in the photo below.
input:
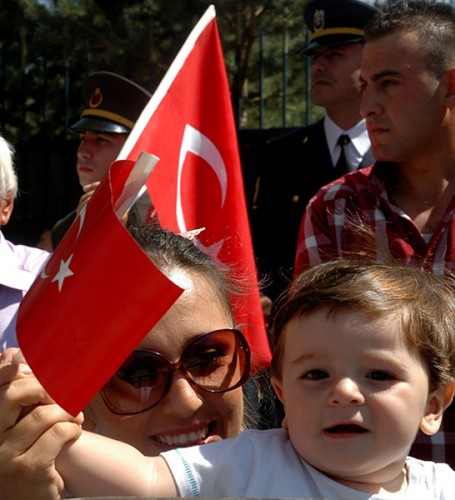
(197, 143)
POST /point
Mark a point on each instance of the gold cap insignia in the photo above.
(318, 20)
(96, 98)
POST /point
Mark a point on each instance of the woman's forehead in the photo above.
(182, 278)
(198, 310)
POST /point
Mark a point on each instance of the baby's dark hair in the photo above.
(424, 303)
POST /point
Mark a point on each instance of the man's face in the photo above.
(95, 154)
(335, 75)
(403, 103)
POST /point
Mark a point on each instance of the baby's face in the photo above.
(354, 395)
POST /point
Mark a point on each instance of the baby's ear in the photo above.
(438, 401)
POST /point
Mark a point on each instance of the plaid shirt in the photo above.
(327, 232)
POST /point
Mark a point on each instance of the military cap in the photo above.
(336, 22)
(112, 104)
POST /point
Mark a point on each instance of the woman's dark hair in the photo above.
(170, 251)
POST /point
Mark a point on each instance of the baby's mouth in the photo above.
(346, 429)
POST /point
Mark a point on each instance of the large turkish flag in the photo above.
(198, 183)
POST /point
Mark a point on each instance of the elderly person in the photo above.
(19, 264)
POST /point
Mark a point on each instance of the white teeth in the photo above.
(183, 439)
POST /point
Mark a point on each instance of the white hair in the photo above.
(8, 177)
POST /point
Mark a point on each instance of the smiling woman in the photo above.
(181, 386)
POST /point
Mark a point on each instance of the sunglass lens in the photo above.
(139, 383)
(215, 361)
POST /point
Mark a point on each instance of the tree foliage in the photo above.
(48, 47)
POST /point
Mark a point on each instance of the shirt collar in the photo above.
(358, 135)
(12, 274)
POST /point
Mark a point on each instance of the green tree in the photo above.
(48, 47)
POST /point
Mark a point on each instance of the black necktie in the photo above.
(342, 164)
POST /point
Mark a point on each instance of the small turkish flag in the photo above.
(97, 297)
(189, 124)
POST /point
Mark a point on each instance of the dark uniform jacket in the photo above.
(295, 166)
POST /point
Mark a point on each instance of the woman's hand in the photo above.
(33, 430)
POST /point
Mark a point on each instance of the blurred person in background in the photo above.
(19, 264)
(112, 104)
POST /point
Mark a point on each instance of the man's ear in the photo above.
(438, 401)
(6, 209)
(450, 94)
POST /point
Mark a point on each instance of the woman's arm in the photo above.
(34, 431)
(94, 465)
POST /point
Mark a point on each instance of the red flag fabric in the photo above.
(198, 183)
(95, 300)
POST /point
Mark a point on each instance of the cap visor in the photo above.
(94, 124)
(330, 41)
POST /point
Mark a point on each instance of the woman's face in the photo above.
(187, 415)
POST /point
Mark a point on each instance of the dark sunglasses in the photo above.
(218, 361)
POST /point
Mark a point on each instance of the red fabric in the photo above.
(198, 181)
(326, 229)
(76, 331)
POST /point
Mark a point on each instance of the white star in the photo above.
(63, 272)
(212, 250)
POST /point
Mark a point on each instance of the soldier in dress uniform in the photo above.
(298, 163)
(112, 104)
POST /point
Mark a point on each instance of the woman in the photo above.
(152, 411)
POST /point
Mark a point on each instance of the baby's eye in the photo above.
(315, 375)
(380, 375)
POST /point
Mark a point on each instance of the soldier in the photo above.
(112, 106)
(300, 162)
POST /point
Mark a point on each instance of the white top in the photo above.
(264, 464)
(19, 266)
(355, 150)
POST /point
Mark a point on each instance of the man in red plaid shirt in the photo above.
(408, 196)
